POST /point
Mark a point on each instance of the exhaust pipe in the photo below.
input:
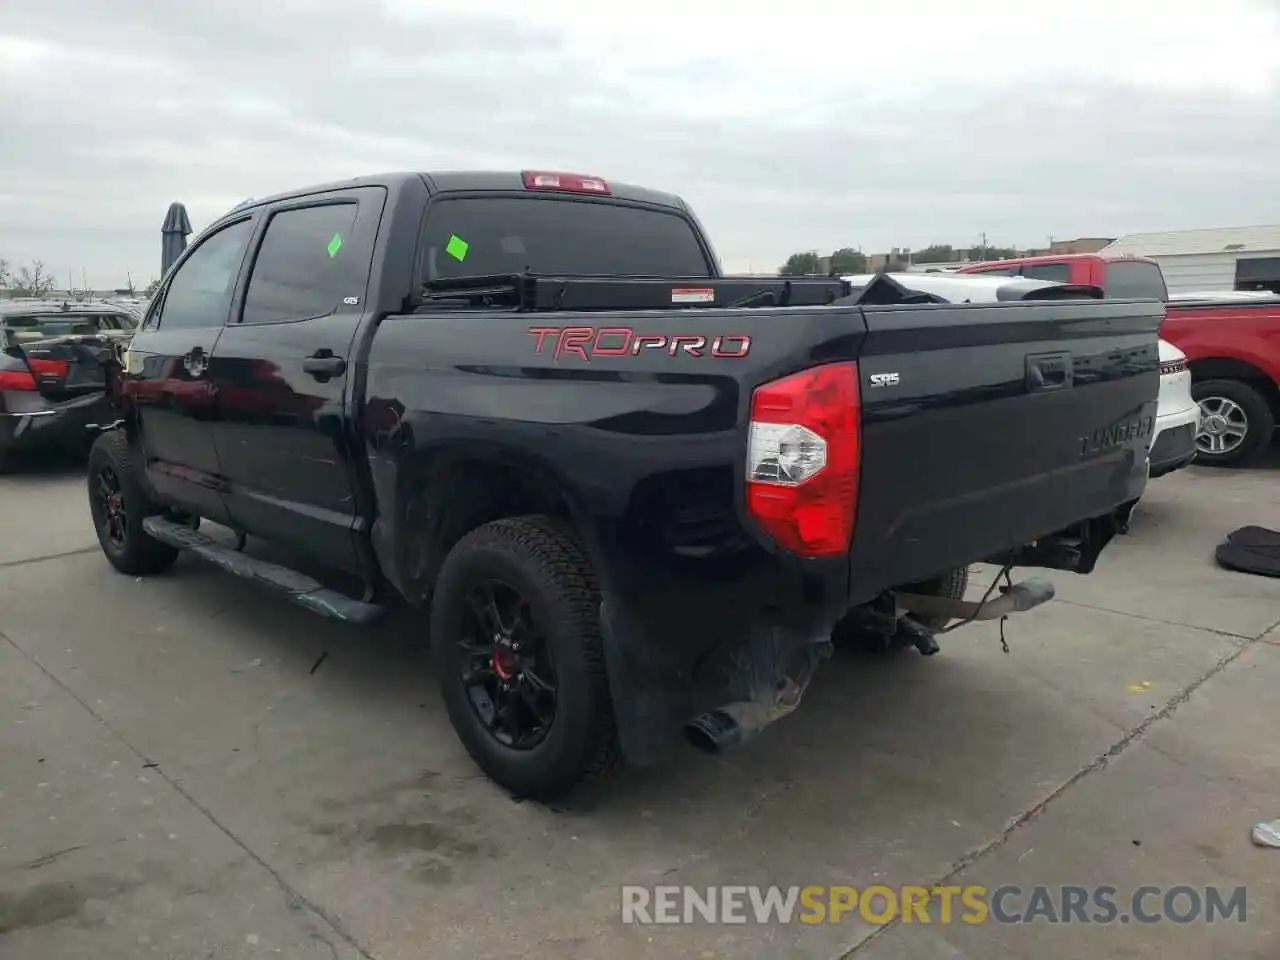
(1018, 598)
(726, 727)
(735, 723)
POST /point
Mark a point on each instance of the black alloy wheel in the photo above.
(506, 664)
(109, 508)
(118, 504)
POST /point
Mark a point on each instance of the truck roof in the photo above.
(1057, 258)
(461, 181)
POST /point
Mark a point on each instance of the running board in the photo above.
(298, 587)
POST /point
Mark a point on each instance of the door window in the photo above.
(199, 295)
(1055, 272)
(307, 265)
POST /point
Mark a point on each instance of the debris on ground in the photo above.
(248, 666)
(1267, 834)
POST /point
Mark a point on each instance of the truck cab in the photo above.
(1119, 277)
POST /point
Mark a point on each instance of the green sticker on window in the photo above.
(457, 247)
(334, 245)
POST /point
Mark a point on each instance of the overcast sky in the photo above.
(788, 127)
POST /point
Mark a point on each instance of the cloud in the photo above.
(837, 126)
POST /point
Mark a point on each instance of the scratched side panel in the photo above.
(604, 405)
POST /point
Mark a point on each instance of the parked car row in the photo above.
(1231, 340)
(52, 383)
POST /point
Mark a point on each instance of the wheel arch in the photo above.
(446, 496)
(1233, 368)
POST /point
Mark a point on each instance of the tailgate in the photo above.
(985, 427)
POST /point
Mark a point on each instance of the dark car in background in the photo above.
(52, 383)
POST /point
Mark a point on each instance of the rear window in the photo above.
(1135, 280)
(503, 235)
(61, 324)
(1053, 272)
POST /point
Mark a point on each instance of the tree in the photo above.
(935, 253)
(994, 253)
(6, 277)
(800, 265)
(848, 260)
(32, 281)
(150, 292)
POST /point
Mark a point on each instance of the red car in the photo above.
(1232, 345)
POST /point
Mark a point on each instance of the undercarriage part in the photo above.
(909, 632)
(1075, 549)
(1023, 596)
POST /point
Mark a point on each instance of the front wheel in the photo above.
(516, 642)
(118, 504)
(1236, 422)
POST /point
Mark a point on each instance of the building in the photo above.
(1221, 258)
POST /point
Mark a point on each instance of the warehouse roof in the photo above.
(1213, 240)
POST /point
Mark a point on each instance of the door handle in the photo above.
(1049, 371)
(323, 365)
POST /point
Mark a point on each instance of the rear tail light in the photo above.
(1172, 366)
(804, 452)
(16, 380)
(17, 375)
(565, 182)
(14, 374)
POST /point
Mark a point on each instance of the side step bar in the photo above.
(298, 587)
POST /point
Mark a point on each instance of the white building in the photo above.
(1222, 258)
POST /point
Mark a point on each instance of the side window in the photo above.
(199, 295)
(306, 265)
(1057, 272)
(1002, 271)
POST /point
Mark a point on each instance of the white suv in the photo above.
(1173, 445)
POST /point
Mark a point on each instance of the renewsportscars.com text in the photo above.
(1009, 904)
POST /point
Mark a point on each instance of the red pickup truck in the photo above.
(1232, 346)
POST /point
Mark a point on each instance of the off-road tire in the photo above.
(1261, 425)
(140, 554)
(544, 560)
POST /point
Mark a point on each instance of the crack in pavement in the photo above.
(1098, 763)
(1168, 623)
(49, 556)
(294, 896)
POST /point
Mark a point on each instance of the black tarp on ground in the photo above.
(1251, 550)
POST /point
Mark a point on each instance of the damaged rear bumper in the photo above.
(711, 659)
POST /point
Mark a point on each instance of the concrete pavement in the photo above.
(176, 781)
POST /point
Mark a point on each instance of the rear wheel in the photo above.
(118, 504)
(1236, 422)
(518, 651)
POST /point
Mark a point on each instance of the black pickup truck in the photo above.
(636, 496)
